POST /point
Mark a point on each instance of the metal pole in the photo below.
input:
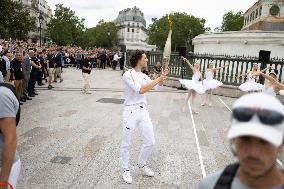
(40, 34)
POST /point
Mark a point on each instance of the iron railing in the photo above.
(231, 75)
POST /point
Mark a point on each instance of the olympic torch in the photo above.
(168, 45)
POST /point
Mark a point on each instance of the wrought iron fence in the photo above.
(237, 66)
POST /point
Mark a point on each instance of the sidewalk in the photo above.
(69, 140)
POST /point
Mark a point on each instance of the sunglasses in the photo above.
(267, 117)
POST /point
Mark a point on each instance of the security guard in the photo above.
(136, 114)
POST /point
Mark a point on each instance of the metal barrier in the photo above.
(237, 66)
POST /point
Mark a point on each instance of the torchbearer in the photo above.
(135, 113)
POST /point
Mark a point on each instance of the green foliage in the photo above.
(65, 28)
(15, 20)
(103, 35)
(232, 21)
(185, 28)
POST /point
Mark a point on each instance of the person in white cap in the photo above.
(136, 114)
(256, 137)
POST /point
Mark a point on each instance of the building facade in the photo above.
(37, 8)
(132, 30)
(265, 15)
(263, 30)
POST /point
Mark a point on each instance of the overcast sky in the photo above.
(211, 10)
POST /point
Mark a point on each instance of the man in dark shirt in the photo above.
(58, 65)
(34, 76)
(18, 75)
(50, 67)
(86, 72)
(41, 71)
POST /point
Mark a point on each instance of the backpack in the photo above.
(12, 88)
(227, 176)
(3, 68)
(226, 179)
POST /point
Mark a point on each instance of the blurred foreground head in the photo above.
(256, 132)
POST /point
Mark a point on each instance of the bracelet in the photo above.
(6, 184)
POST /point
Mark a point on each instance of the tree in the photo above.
(65, 28)
(185, 28)
(232, 21)
(16, 21)
(103, 35)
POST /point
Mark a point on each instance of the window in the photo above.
(260, 11)
(132, 30)
(256, 13)
(253, 15)
(128, 23)
(127, 29)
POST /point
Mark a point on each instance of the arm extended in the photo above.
(8, 129)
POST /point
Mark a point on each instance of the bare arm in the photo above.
(34, 65)
(269, 78)
(8, 129)
(188, 63)
(159, 81)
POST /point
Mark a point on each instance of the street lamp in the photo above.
(108, 34)
(40, 19)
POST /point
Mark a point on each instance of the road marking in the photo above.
(277, 160)
(224, 104)
(197, 143)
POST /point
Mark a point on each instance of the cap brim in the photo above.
(267, 133)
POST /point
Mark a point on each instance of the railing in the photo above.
(237, 66)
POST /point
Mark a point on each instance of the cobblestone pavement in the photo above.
(69, 140)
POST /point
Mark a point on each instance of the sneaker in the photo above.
(127, 177)
(147, 171)
(49, 87)
(88, 92)
(61, 80)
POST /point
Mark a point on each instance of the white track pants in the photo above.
(136, 116)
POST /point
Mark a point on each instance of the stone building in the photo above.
(265, 15)
(132, 29)
(37, 8)
(263, 30)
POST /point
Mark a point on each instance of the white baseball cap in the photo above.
(272, 133)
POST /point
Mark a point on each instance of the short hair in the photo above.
(135, 57)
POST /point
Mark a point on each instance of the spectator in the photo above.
(78, 59)
(51, 67)
(6, 73)
(9, 118)
(121, 61)
(86, 72)
(33, 76)
(26, 72)
(115, 61)
(18, 75)
(256, 136)
(58, 65)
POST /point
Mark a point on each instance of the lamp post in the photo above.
(40, 19)
(108, 34)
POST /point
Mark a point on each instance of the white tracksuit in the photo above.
(136, 114)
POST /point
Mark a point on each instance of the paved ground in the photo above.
(86, 134)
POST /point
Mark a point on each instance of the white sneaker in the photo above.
(147, 171)
(127, 177)
(88, 92)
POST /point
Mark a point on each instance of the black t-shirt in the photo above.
(17, 69)
(86, 64)
(51, 60)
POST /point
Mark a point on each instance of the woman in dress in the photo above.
(209, 83)
(271, 85)
(194, 86)
(251, 85)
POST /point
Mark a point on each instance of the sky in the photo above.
(211, 10)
